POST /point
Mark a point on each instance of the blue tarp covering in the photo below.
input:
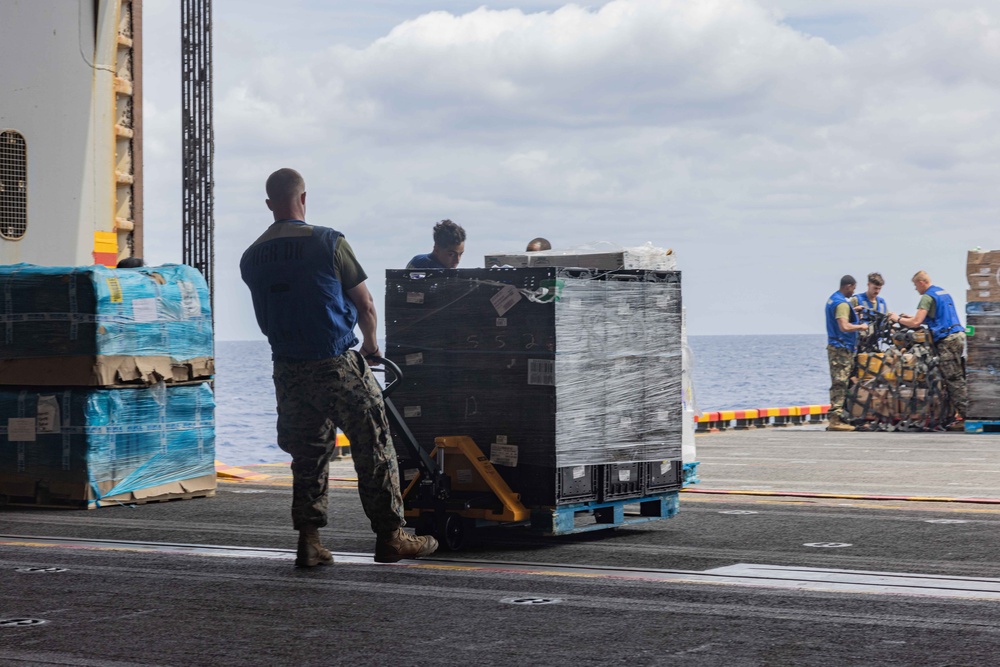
(122, 440)
(93, 310)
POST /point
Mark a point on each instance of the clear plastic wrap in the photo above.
(543, 368)
(94, 326)
(94, 310)
(80, 445)
(983, 360)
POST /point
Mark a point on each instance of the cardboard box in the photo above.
(645, 258)
(982, 295)
(982, 258)
(103, 371)
(53, 490)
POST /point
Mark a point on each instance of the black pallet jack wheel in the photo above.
(457, 532)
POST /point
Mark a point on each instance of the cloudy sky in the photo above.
(773, 144)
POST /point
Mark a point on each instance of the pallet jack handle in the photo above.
(428, 468)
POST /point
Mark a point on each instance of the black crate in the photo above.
(658, 476)
(621, 480)
(576, 484)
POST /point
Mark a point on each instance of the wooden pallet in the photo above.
(981, 426)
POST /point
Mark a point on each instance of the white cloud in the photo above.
(771, 159)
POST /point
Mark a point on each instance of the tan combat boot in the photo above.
(399, 545)
(310, 552)
(838, 424)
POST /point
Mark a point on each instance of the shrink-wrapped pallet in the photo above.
(553, 373)
(983, 360)
(87, 447)
(94, 326)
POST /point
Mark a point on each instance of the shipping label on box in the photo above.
(503, 455)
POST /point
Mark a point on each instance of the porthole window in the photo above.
(13, 185)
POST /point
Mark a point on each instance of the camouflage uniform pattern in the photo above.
(950, 349)
(314, 398)
(841, 365)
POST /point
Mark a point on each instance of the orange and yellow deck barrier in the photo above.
(713, 422)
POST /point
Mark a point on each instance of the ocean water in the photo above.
(729, 372)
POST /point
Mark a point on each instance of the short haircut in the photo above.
(284, 185)
(875, 278)
(848, 280)
(535, 245)
(921, 275)
(130, 263)
(448, 235)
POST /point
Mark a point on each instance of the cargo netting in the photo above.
(897, 383)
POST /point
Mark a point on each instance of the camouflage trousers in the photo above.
(950, 349)
(841, 365)
(314, 398)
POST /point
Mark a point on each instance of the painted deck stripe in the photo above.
(848, 496)
(739, 574)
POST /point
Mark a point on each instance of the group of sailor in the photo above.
(848, 315)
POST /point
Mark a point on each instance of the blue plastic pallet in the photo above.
(566, 519)
(981, 426)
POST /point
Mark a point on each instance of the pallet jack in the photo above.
(455, 487)
(455, 490)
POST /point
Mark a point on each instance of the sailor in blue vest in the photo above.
(937, 310)
(869, 300)
(449, 246)
(309, 293)
(842, 329)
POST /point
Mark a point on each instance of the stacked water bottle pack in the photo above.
(104, 393)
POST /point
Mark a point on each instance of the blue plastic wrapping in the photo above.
(80, 446)
(93, 310)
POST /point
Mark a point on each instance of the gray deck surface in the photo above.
(729, 581)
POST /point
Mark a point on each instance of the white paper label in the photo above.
(985, 294)
(579, 471)
(503, 455)
(48, 415)
(984, 270)
(411, 411)
(464, 476)
(663, 415)
(415, 359)
(501, 440)
(190, 303)
(501, 321)
(409, 474)
(542, 372)
(626, 422)
(144, 310)
(414, 297)
(664, 467)
(21, 429)
(624, 475)
(505, 299)
(623, 309)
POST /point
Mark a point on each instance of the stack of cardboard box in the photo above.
(104, 396)
(983, 343)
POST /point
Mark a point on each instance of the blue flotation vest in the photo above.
(878, 306)
(834, 336)
(300, 304)
(945, 321)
